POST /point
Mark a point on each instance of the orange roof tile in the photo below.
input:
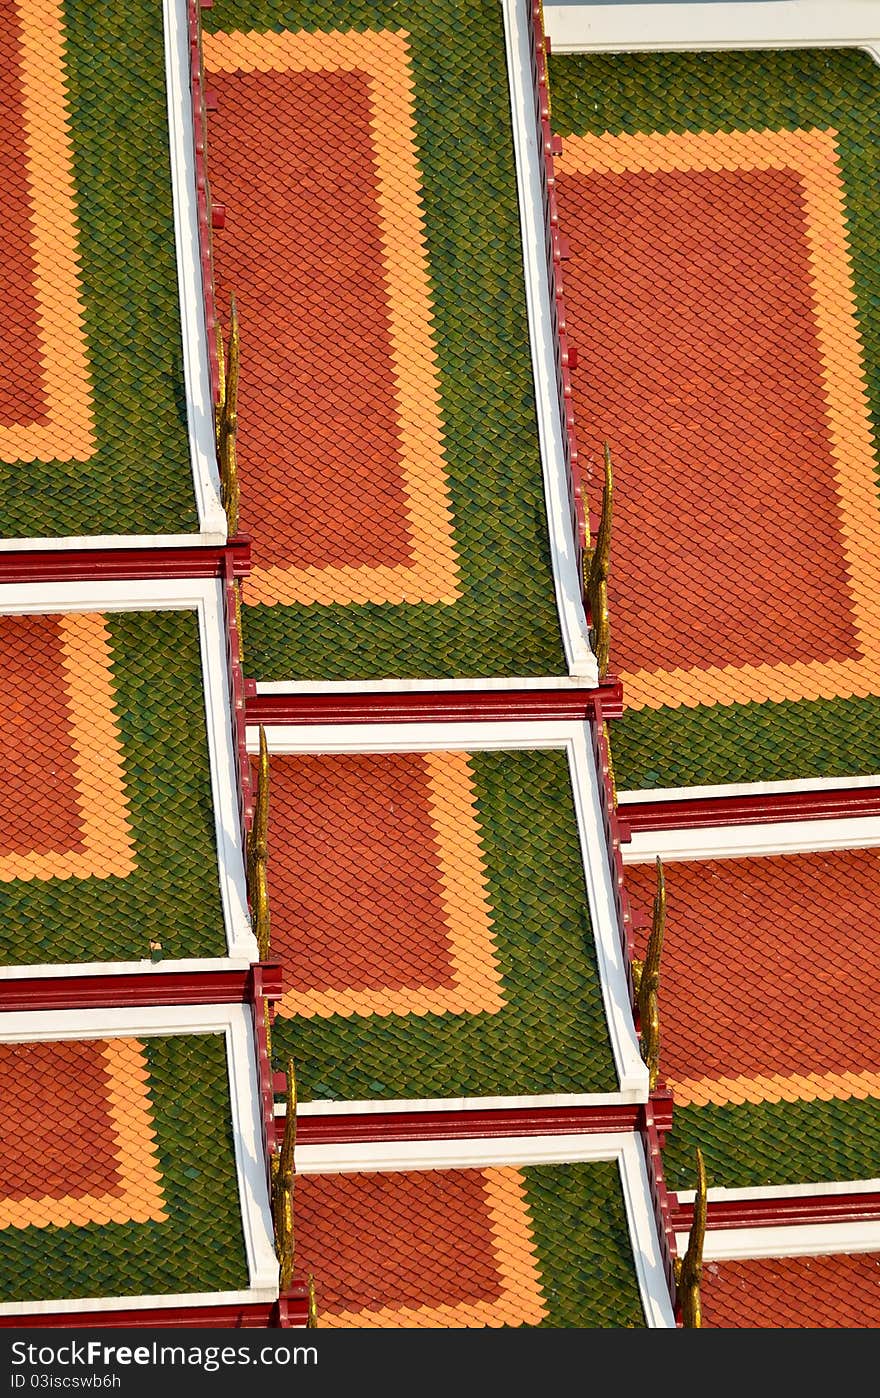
(340, 445)
(748, 1010)
(419, 1248)
(63, 807)
(377, 892)
(835, 1292)
(77, 1142)
(725, 370)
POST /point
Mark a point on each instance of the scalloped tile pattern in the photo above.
(90, 389)
(421, 960)
(460, 1248)
(837, 1292)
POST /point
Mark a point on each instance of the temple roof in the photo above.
(390, 468)
(721, 210)
(93, 376)
(770, 1050)
(114, 849)
(433, 916)
(123, 1153)
(840, 1291)
(515, 1240)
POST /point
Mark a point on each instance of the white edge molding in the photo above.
(573, 737)
(624, 1147)
(572, 616)
(203, 596)
(234, 1023)
(740, 841)
(581, 28)
(191, 296)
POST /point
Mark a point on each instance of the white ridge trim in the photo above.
(719, 1194)
(191, 296)
(699, 793)
(576, 28)
(792, 1240)
(572, 617)
(414, 686)
(76, 542)
(734, 841)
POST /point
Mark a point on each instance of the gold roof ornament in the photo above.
(597, 564)
(282, 1176)
(689, 1269)
(646, 982)
(312, 1322)
(258, 853)
(227, 419)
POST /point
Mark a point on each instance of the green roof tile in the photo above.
(172, 894)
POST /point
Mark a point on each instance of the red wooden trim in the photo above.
(139, 988)
(652, 1137)
(266, 987)
(771, 1212)
(290, 1312)
(614, 835)
(238, 690)
(435, 706)
(203, 189)
(120, 563)
(460, 1125)
(701, 812)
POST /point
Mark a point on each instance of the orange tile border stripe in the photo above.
(69, 434)
(384, 57)
(468, 918)
(137, 1161)
(812, 155)
(98, 762)
(521, 1301)
(810, 1087)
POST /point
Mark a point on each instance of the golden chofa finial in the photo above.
(227, 419)
(258, 853)
(282, 1176)
(646, 982)
(596, 568)
(689, 1269)
(312, 1322)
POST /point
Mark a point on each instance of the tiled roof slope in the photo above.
(387, 442)
(770, 1049)
(107, 837)
(118, 1169)
(538, 1245)
(722, 287)
(836, 1292)
(431, 915)
(91, 429)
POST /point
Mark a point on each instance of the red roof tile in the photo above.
(429, 1248)
(837, 1292)
(744, 996)
(376, 888)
